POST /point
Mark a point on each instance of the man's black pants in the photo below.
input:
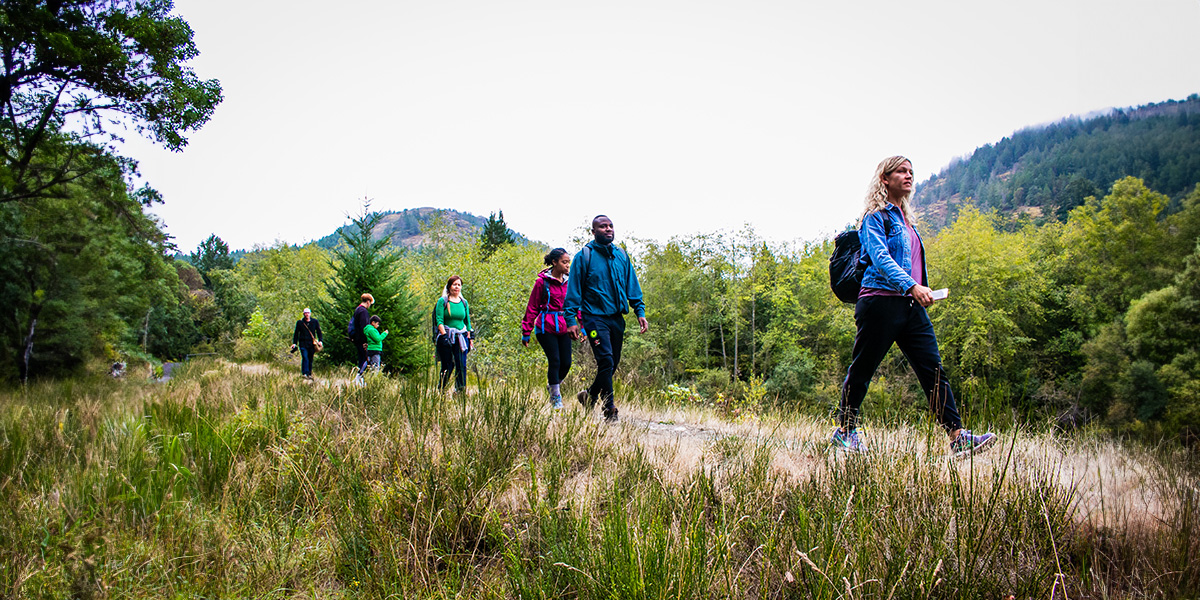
(605, 334)
(882, 321)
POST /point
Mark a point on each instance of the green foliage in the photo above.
(258, 341)
(1145, 368)
(74, 68)
(282, 280)
(365, 264)
(497, 289)
(83, 271)
(210, 255)
(494, 235)
(1114, 250)
(986, 326)
(1055, 168)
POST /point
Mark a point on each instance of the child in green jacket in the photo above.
(374, 342)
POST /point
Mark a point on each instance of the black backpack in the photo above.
(848, 263)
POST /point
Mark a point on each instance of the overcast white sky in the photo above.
(670, 116)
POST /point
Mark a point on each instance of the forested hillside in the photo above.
(405, 226)
(1046, 171)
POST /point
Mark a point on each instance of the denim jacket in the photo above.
(891, 258)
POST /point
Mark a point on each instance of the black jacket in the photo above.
(362, 318)
(301, 337)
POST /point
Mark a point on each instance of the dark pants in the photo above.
(374, 358)
(606, 335)
(362, 357)
(558, 356)
(453, 358)
(306, 356)
(881, 321)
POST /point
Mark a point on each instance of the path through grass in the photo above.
(234, 483)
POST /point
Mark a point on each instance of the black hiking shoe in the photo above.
(610, 414)
(585, 400)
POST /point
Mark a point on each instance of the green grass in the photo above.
(225, 483)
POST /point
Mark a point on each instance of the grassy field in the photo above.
(236, 483)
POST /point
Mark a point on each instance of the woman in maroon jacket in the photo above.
(545, 318)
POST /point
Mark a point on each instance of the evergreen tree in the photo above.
(210, 255)
(495, 234)
(364, 265)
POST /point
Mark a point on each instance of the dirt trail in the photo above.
(1110, 481)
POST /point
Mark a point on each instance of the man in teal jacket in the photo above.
(603, 286)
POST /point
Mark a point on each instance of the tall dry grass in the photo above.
(229, 483)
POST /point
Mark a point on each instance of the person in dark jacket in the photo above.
(545, 317)
(891, 310)
(362, 318)
(603, 287)
(307, 338)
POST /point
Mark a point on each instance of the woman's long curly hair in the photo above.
(877, 198)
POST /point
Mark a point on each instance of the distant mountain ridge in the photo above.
(1046, 171)
(405, 226)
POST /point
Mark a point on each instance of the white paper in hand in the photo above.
(941, 294)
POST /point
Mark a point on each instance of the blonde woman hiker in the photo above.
(891, 310)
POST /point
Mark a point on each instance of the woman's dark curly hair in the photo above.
(553, 256)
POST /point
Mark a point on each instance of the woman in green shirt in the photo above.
(453, 317)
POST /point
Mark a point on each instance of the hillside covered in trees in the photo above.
(406, 226)
(1044, 172)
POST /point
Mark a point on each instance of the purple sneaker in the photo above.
(849, 441)
(968, 443)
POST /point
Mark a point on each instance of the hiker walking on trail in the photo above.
(545, 318)
(374, 343)
(891, 309)
(358, 325)
(603, 286)
(452, 315)
(309, 340)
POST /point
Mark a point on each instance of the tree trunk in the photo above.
(735, 342)
(724, 358)
(753, 326)
(146, 330)
(27, 353)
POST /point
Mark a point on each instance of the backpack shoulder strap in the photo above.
(546, 304)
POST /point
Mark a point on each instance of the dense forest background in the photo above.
(1070, 251)
(1041, 173)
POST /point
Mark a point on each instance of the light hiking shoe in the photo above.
(848, 441)
(968, 443)
(556, 401)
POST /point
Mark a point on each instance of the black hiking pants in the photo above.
(558, 356)
(882, 321)
(606, 335)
